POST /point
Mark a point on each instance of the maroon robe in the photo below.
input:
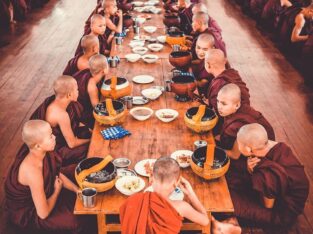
(186, 19)
(71, 67)
(200, 73)
(226, 77)
(74, 110)
(20, 207)
(103, 46)
(4, 15)
(82, 78)
(256, 7)
(279, 175)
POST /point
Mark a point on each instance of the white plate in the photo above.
(143, 79)
(129, 180)
(177, 195)
(177, 153)
(152, 94)
(163, 112)
(140, 166)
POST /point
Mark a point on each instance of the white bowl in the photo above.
(150, 58)
(140, 50)
(132, 57)
(161, 39)
(136, 43)
(129, 185)
(151, 94)
(166, 115)
(141, 38)
(137, 3)
(155, 10)
(150, 29)
(155, 47)
(135, 112)
(140, 20)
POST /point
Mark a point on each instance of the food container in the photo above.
(183, 86)
(116, 87)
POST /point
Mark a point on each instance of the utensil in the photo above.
(88, 197)
(199, 143)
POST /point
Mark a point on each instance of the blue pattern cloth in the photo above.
(113, 133)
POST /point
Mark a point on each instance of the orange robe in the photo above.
(149, 213)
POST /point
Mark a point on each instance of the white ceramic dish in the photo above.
(140, 20)
(136, 43)
(140, 166)
(166, 115)
(141, 113)
(175, 155)
(132, 57)
(150, 29)
(161, 39)
(140, 100)
(143, 79)
(129, 185)
(155, 47)
(137, 3)
(151, 94)
(177, 195)
(140, 50)
(150, 58)
(151, 3)
(121, 172)
(141, 37)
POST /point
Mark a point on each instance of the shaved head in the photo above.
(89, 42)
(64, 85)
(232, 91)
(108, 3)
(96, 18)
(215, 56)
(253, 136)
(98, 63)
(206, 38)
(199, 7)
(34, 131)
(201, 17)
(166, 169)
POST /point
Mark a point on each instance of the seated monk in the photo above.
(97, 27)
(90, 46)
(63, 112)
(154, 212)
(215, 64)
(204, 43)
(89, 84)
(185, 15)
(199, 26)
(113, 19)
(98, 10)
(279, 186)
(43, 199)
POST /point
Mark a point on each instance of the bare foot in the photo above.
(224, 228)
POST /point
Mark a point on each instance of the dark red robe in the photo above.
(149, 213)
(20, 208)
(256, 7)
(226, 77)
(186, 19)
(74, 110)
(200, 73)
(4, 15)
(279, 175)
(103, 46)
(71, 67)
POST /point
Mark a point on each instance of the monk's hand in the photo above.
(58, 183)
(251, 163)
(119, 13)
(185, 186)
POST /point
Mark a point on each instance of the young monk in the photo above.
(279, 186)
(90, 46)
(215, 63)
(37, 195)
(98, 27)
(98, 10)
(63, 113)
(199, 26)
(154, 212)
(113, 19)
(89, 84)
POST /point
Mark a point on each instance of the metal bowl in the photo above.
(220, 157)
(100, 108)
(208, 115)
(121, 162)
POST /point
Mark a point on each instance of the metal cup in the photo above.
(176, 47)
(128, 102)
(118, 40)
(200, 143)
(136, 29)
(88, 197)
(168, 87)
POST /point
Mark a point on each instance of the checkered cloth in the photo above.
(116, 132)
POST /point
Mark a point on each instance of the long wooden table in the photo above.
(152, 139)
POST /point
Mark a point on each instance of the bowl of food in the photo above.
(121, 162)
(140, 20)
(166, 115)
(161, 39)
(136, 43)
(150, 58)
(155, 47)
(132, 57)
(140, 50)
(151, 94)
(129, 185)
(141, 113)
(150, 29)
(183, 157)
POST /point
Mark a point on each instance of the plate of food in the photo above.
(166, 115)
(177, 195)
(145, 167)
(143, 79)
(129, 185)
(183, 157)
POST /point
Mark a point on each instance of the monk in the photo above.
(97, 26)
(98, 10)
(204, 43)
(37, 195)
(279, 186)
(199, 26)
(90, 46)
(154, 212)
(113, 19)
(215, 63)
(89, 84)
(63, 113)
(185, 15)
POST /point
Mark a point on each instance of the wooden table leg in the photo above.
(102, 229)
(207, 229)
